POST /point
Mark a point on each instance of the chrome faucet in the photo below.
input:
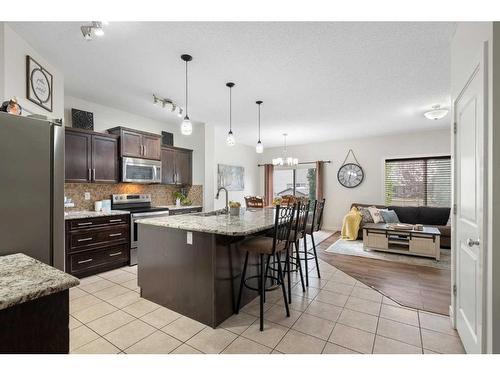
(217, 197)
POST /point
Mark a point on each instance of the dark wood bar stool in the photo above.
(313, 225)
(298, 232)
(266, 248)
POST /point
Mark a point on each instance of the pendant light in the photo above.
(260, 147)
(186, 126)
(230, 136)
(285, 160)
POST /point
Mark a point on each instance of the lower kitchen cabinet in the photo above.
(95, 245)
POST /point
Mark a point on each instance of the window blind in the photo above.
(418, 181)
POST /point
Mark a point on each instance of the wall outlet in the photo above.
(86, 196)
(189, 238)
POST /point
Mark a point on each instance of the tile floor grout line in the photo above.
(376, 329)
(420, 331)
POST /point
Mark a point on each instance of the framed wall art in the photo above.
(231, 177)
(38, 84)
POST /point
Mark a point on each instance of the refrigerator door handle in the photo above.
(93, 174)
(90, 175)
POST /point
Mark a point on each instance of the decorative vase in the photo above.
(178, 202)
(234, 211)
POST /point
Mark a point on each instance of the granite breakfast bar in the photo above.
(192, 264)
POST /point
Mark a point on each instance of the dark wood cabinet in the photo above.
(138, 144)
(96, 245)
(78, 156)
(177, 166)
(104, 159)
(167, 166)
(90, 156)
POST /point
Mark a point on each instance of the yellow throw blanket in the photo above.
(350, 225)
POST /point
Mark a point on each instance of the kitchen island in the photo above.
(192, 264)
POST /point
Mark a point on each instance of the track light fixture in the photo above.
(168, 104)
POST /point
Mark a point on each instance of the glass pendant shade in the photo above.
(259, 148)
(186, 126)
(230, 140)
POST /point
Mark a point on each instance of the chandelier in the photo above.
(285, 160)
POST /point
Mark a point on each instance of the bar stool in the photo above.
(313, 226)
(267, 247)
(298, 232)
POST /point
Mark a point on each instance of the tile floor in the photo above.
(336, 315)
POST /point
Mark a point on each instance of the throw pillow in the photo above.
(366, 217)
(390, 216)
(375, 212)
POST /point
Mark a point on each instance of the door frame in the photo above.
(481, 63)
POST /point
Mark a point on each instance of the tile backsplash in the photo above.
(161, 195)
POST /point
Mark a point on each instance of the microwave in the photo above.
(141, 171)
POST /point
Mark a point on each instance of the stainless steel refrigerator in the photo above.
(32, 188)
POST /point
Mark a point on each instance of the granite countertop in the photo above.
(248, 222)
(174, 207)
(70, 215)
(23, 279)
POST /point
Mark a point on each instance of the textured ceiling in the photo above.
(318, 81)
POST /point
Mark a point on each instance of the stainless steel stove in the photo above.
(139, 206)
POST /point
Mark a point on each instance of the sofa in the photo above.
(429, 216)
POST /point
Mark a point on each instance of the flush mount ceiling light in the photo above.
(437, 113)
(259, 148)
(95, 28)
(186, 126)
(168, 104)
(230, 136)
(285, 160)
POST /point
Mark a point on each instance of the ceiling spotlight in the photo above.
(168, 104)
(437, 113)
(87, 32)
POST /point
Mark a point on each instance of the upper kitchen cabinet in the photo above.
(90, 156)
(138, 144)
(177, 165)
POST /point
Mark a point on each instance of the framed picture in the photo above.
(38, 84)
(231, 177)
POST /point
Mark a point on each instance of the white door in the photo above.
(470, 116)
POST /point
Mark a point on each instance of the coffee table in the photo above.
(424, 242)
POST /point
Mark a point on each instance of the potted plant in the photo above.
(178, 196)
(234, 208)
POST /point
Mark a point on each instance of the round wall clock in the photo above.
(350, 175)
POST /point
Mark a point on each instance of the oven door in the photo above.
(134, 238)
(141, 171)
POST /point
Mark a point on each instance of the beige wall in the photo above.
(371, 153)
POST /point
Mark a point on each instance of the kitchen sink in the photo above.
(210, 213)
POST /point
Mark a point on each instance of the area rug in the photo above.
(319, 237)
(355, 248)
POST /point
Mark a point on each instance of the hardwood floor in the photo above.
(413, 286)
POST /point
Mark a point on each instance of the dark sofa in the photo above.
(429, 216)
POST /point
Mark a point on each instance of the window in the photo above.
(418, 181)
(300, 182)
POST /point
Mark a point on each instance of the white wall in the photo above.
(371, 153)
(239, 155)
(107, 117)
(13, 78)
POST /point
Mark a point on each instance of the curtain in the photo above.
(319, 180)
(268, 184)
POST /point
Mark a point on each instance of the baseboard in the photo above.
(452, 316)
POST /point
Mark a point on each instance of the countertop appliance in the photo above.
(139, 206)
(141, 171)
(32, 188)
